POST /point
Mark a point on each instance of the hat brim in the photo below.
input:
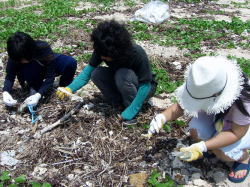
(213, 105)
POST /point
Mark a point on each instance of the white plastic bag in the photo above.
(152, 12)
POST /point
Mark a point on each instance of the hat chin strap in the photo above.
(214, 95)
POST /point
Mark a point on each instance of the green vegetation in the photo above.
(7, 180)
(164, 82)
(156, 180)
(168, 126)
(245, 4)
(244, 64)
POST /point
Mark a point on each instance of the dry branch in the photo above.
(60, 121)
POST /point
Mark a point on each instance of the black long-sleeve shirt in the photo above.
(44, 57)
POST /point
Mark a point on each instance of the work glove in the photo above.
(157, 123)
(8, 100)
(63, 92)
(33, 99)
(193, 152)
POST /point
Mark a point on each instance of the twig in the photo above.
(63, 162)
(60, 121)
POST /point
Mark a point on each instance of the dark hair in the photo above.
(20, 45)
(239, 103)
(111, 39)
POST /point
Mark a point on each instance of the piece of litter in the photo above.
(184, 155)
(6, 158)
(152, 12)
(88, 106)
(34, 117)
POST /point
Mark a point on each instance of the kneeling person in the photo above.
(127, 79)
(35, 65)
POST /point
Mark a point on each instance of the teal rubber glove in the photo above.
(131, 111)
(82, 79)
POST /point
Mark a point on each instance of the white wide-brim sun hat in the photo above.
(212, 84)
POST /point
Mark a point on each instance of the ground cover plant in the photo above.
(93, 148)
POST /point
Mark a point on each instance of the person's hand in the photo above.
(157, 123)
(63, 92)
(8, 99)
(33, 99)
(193, 152)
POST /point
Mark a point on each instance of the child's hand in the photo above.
(33, 99)
(157, 123)
(8, 99)
(195, 151)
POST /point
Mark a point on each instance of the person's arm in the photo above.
(130, 112)
(173, 112)
(82, 79)
(226, 138)
(223, 139)
(10, 76)
(49, 79)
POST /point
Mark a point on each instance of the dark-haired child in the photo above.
(127, 79)
(35, 65)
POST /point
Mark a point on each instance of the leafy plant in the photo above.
(155, 180)
(164, 82)
(7, 180)
(244, 64)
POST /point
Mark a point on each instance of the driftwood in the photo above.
(76, 108)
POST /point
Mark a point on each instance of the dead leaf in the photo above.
(138, 179)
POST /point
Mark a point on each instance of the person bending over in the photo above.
(126, 79)
(217, 95)
(35, 65)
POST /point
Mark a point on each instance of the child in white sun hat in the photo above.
(216, 95)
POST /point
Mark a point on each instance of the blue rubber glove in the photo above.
(131, 111)
(82, 79)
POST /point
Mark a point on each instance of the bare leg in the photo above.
(244, 159)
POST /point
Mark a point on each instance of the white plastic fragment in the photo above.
(6, 158)
(88, 106)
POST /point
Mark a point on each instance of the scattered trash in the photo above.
(88, 106)
(34, 117)
(152, 12)
(6, 158)
(39, 170)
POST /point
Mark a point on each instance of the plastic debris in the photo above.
(6, 158)
(34, 117)
(152, 12)
(184, 155)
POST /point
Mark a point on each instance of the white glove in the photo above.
(33, 99)
(157, 123)
(8, 100)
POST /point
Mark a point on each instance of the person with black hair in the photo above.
(127, 79)
(218, 100)
(35, 65)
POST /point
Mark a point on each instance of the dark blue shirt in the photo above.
(44, 57)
